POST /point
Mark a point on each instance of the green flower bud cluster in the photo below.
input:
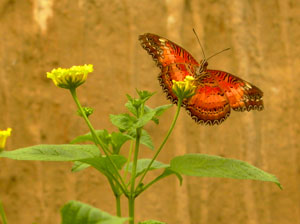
(87, 110)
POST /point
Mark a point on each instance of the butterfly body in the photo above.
(217, 91)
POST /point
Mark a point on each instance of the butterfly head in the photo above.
(203, 66)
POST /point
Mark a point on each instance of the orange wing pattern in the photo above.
(209, 105)
(164, 51)
(216, 91)
(241, 95)
(175, 62)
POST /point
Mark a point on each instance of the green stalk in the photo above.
(97, 139)
(128, 161)
(118, 205)
(117, 195)
(131, 209)
(146, 187)
(135, 158)
(131, 198)
(164, 141)
(2, 213)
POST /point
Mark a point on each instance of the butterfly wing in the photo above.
(241, 94)
(175, 72)
(164, 51)
(175, 62)
(210, 104)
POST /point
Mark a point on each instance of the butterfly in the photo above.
(217, 91)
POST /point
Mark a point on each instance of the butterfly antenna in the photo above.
(218, 53)
(199, 44)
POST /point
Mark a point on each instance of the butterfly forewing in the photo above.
(174, 72)
(164, 51)
(175, 62)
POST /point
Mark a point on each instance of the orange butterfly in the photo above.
(216, 91)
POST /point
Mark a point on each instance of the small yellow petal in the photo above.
(184, 89)
(3, 136)
(71, 77)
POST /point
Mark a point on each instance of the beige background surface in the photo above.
(39, 35)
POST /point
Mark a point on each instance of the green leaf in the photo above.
(203, 165)
(142, 165)
(155, 120)
(53, 153)
(152, 222)
(146, 139)
(131, 108)
(158, 111)
(87, 154)
(103, 135)
(144, 95)
(141, 121)
(103, 164)
(133, 104)
(167, 172)
(78, 166)
(2, 213)
(161, 109)
(75, 212)
(122, 121)
(118, 139)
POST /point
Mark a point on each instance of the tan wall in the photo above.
(39, 35)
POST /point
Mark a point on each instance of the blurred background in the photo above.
(39, 35)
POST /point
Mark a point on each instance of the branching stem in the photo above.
(98, 140)
(164, 141)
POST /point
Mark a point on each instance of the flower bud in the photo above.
(87, 110)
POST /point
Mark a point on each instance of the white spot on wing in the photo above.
(248, 85)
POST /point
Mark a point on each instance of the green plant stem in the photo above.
(164, 141)
(98, 141)
(135, 158)
(3, 216)
(117, 195)
(111, 177)
(118, 205)
(131, 209)
(131, 198)
(128, 161)
(146, 187)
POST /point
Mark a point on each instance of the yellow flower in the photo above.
(70, 77)
(3, 137)
(184, 89)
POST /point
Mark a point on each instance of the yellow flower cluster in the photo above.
(3, 136)
(184, 89)
(71, 77)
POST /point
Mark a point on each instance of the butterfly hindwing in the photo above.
(241, 94)
(209, 105)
